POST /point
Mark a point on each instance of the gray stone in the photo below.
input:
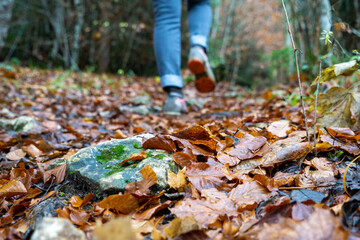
(98, 175)
(57, 228)
(141, 100)
(20, 124)
(7, 113)
(141, 109)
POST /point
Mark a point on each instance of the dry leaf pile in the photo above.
(246, 170)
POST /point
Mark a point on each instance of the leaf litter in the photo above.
(240, 175)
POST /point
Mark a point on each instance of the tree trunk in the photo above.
(80, 11)
(5, 16)
(105, 41)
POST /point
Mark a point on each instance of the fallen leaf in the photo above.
(345, 69)
(203, 176)
(280, 128)
(183, 159)
(146, 212)
(349, 147)
(134, 157)
(160, 142)
(117, 228)
(249, 194)
(122, 203)
(58, 172)
(16, 155)
(204, 212)
(142, 187)
(177, 181)
(179, 226)
(120, 135)
(12, 188)
(32, 150)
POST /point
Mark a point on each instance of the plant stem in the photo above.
(297, 70)
(316, 102)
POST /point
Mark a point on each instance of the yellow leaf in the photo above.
(345, 69)
(177, 181)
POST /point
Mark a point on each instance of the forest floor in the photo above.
(248, 170)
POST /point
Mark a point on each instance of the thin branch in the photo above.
(316, 102)
(297, 69)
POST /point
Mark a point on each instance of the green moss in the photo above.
(114, 170)
(161, 156)
(110, 153)
(149, 155)
(136, 145)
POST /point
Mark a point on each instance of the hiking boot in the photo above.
(198, 64)
(174, 104)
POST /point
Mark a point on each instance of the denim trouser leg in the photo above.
(200, 17)
(167, 35)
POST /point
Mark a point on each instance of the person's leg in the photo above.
(200, 18)
(199, 27)
(167, 41)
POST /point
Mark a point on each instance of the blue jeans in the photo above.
(167, 35)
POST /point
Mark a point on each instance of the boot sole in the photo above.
(203, 83)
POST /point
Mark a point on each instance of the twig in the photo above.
(297, 69)
(316, 102)
(344, 178)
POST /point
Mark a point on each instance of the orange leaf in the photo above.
(75, 201)
(12, 188)
(142, 188)
(122, 203)
(134, 157)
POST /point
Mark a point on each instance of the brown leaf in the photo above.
(286, 150)
(183, 159)
(12, 188)
(134, 157)
(227, 159)
(16, 155)
(349, 147)
(196, 132)
(160, 142)
(122, 203)
(213, 195)
(266, 182)
(32, 150)
(204, 212)
(79, 217)
(177, 181)
(146, 213)
(249, 194)
(280, 128)
(58, 172)
(247, 147)
(142, 188)
(203, 176)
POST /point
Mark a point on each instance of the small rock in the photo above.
(57, 228)
(142, 109)
(303, 195)
(141, 100)
(20, 124)
(108, 175)
(6, 113)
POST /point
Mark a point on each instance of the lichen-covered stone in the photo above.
(95, 167)
(20, 124)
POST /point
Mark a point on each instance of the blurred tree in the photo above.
(5, 15)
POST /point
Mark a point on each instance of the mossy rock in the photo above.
(97, 166)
